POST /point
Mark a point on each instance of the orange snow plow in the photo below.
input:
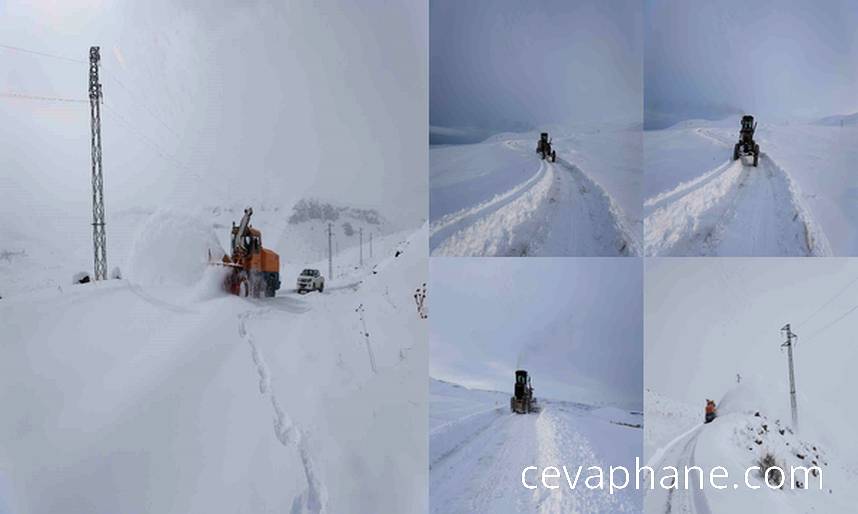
(255, 271)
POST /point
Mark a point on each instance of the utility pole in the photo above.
(99, 238)
(789, 344)
(360, 231)
(330, 257)
(370, 245)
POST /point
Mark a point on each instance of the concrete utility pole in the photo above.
(789, 344)
(370, 245)
(330, 256)
(360, 231)
(99, 237)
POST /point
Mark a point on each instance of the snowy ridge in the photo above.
(460, 233)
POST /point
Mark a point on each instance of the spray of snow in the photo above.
(172, 248)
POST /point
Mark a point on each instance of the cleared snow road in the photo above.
(733, 210)
(556, 210)
(679, 453)
(483, 472)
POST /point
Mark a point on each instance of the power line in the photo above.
(162, 153)
(141, 103)
(23, 96)
(829, 325)
(43, 54)
(828, 302)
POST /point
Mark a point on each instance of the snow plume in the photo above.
(172, 248)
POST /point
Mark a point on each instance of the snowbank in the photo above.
(754, 395)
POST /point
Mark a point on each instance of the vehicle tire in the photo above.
(736, 152)
(756, 156)
(322, 288)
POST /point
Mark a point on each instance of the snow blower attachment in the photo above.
(746, 144)
(711, 412)
(523, 400)
(255, 270)
(543, 148)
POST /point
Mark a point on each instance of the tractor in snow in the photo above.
(746, 144)
(543, 148)
(522, 400)
(254, 270)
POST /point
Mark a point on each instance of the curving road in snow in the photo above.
(734, 209)
(679, 453)
(499, 199)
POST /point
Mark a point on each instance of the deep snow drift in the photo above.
(161, 391)
(497, 198)
(799, 201)
(749, 426)
(478, 450)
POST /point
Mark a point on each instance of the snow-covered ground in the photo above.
(799, 201)
(746, 429)
(714, 332)
(478, 450)
(161, 391)
(497, 198)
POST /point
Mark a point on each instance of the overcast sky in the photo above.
(499, 65)
(775, 58)
(259, 101)
(575, 324)
(709, 319)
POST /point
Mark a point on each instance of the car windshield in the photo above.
(309, 272)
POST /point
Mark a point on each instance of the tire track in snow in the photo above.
(687, 498)
(314, 498)
(559, 211)
(586, 221)
(734, 209)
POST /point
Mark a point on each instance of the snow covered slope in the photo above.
(497, 198)
(799, 201)
(155, 392)
(745, 431)
(478, 450)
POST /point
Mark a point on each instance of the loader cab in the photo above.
(748, 124)
(522, 381)
(543, 136)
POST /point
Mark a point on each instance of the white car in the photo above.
(311, 280)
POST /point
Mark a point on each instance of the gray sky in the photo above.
(575, 324)
(775, 58)
(262, 101)
(507, 65)
(708, 319)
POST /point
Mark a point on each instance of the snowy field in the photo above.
(159, 390)
(478, 449)
(497, 198)
(713, 332)
(799, 201)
